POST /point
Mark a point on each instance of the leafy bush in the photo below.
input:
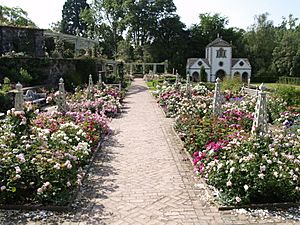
(289, 93)
(232, 84)
(24, 77)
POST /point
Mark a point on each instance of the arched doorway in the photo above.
(195, 76)
(237, 74)
(220, 74)
(245, 77)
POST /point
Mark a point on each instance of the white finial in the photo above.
(262, 87)
(19, 86)
(218, 80)
(61, 80)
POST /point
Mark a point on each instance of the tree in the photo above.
(170, 43)
(14, 17)
(286, 54)
(260, 43)
(71, 21)
(203, 74)
(143, 17)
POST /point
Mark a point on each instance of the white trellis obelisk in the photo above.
(260, 123)
(100, 80)
(61, 103)
(188, 85)
(177, 79)
(90, 87)
(217, 102)
(19, 100)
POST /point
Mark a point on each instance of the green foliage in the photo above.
(14, 16)
(203, 74)
(289, 93)
(24, 76)
(233, 84)
(71, 21)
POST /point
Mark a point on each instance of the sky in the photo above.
(239, 12)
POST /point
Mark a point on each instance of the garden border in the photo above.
(57, 208)
(282, 205)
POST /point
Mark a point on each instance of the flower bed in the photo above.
(240, 167)
(44, 155)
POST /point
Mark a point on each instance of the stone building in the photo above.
(28, 41)
(218, 62)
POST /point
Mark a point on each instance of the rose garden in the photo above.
(121, 114)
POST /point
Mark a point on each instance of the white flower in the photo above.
(262, 168)
(17, 176)
(275, 174)
(57, 166)
(68, 184)
(238, 199)
(229, 183)
(246, 187)
(18, 170)
(3, 188)
(232, 169)
(39, 190)
(261, 176)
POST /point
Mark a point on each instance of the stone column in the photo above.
(19, 100)
(154, 68)
(166, 66)
(61, 104)
(260, 123)
(131, 69)
(217, 98)
(143, 68)
(177, 79)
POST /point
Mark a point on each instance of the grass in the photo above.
(275, 85)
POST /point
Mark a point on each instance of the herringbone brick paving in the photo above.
(142, 176)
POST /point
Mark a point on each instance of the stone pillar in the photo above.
(166, 66)
(260, 123)
(131, 69)
(19, 100)
(115, 69)
(61, 103)
(177, 79)
(143, 68)
(217, 98)
(154, 68)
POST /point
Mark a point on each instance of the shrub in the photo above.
(233, 84)
(289, 93)
(24, 77)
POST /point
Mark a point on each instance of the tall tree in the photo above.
(286, 54)
(143, 16)
(71, 20)
(14, 17)
(260, 43)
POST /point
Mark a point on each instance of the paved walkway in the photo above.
(142, 176)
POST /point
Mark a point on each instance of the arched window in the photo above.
(221, 53)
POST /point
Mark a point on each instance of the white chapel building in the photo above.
(218, 62)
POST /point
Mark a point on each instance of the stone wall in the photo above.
(29, 41)
(46, 71)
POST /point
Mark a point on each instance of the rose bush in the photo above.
(43, 156)
(242, 168)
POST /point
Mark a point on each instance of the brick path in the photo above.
(153, 180)
(142, 176)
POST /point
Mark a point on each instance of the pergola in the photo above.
(79, 42)
(154, 66)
